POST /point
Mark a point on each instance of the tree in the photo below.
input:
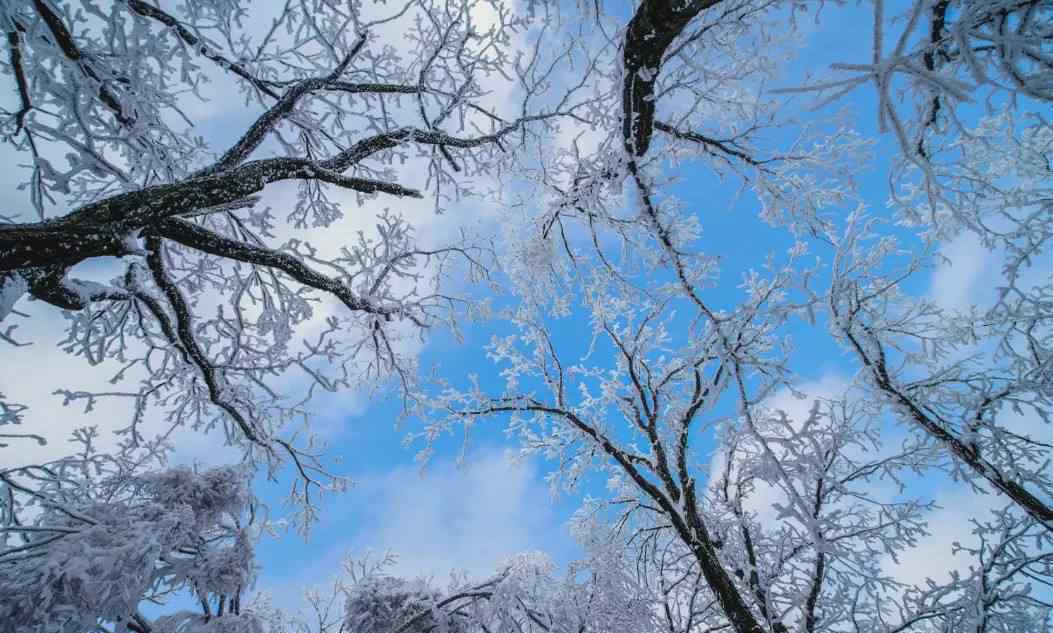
(88, 538)
(524, 595)
(791, 527)
(601, 592)
(218, 304)
(672, 360)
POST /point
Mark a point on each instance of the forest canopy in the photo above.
(758, 285)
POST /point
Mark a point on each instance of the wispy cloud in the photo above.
(30, 376)
(469, 517)
(968, 276)
(454, 518)
(934, 557)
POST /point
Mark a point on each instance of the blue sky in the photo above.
(471, 516)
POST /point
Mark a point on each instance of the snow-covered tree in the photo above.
(526, 594)
(789, 523)
(87, 539)
(216, 306)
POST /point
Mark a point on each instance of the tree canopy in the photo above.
(233, 205)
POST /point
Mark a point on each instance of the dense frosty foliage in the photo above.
(252, 180)
(524, 595)
(89, 537)
(385, 603)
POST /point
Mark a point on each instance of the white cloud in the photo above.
(933, 556)
(829, 386)
(968, 277)
(468, 518)
(973, 274)
(30, 375)
(765, 496)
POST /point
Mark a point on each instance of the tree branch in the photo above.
(64, 39)
(155, 13)
(201, 239)
(654, 27)
(186, 339)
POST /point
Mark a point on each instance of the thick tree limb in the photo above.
(57, 242)
(51, 285)
(654, 27)
(201, 239)
(937, 23)
(102, 228)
